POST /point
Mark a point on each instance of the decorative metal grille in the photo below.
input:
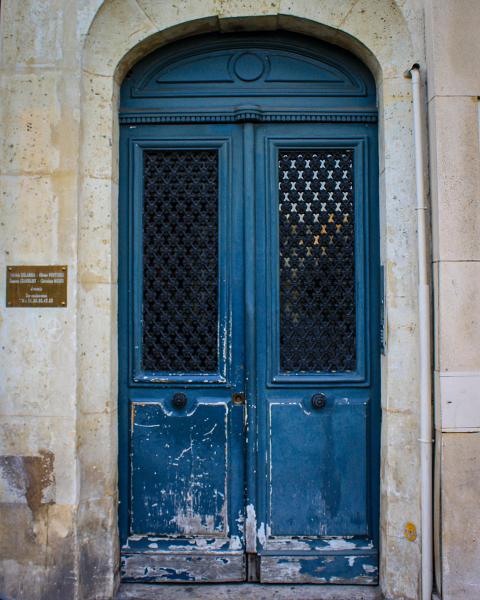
(180, 261)
(317, 261)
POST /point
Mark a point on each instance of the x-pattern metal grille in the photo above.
(317, 261)
(180, 261)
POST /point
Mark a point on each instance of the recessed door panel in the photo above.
(179, 470)
(325, 454)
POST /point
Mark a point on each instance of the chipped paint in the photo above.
(251, 529)
(289, 545)
(183, 452)
(190, 523)
(201, 544)
(370, 569)
(261, 536)
(180, 492)
(178, 567)
(317, 569)
(340, 544)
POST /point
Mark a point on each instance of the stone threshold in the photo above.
(245, 591)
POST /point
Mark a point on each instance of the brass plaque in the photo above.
(42, 287)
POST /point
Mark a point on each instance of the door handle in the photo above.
(238, 398)
(319, 401)
(179, 401)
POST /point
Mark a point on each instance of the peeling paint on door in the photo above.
(179, 474)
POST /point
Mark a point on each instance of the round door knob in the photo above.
(319, 401)
(179, 401)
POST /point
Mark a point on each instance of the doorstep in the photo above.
(245, 591)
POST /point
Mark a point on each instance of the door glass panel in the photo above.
(180, 261)
(317, 260)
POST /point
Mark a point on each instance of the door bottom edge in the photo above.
(246, 591)
(182, 568)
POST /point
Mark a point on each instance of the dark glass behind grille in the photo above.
(180, 261)
(317, 261)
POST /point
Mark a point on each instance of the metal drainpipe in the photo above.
(424, 318)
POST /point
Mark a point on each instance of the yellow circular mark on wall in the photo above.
(410, 532)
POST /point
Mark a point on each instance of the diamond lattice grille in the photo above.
(317, 261)
(180, 261)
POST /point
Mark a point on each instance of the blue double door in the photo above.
(249, 353)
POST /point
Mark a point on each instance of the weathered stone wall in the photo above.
(453, 48)
(61, 65)
(40, 79)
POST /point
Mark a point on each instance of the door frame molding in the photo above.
(249, 116)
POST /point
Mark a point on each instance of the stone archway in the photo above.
(121, 33)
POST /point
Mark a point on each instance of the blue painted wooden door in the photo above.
(316, 389)
(249, 380)
(249, 335)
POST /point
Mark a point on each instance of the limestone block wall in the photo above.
(38, 160)
(453, 48)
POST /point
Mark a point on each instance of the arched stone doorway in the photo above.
(249, 324)
(117, 38)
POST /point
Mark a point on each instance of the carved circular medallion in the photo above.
(249, 66)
